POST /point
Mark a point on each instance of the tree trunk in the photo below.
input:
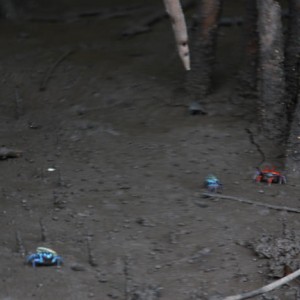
(248, 80)
(202, 44)
(292, 163)
(292, 76)
(8, 9)
(292, 52)
(271, 72)
(13, 9)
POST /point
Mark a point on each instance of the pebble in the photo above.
(77, 267)
(205, 251)
(102, 278)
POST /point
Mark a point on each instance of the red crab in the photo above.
(269, 175)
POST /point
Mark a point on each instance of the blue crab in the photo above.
(213, 184)
(44, 257)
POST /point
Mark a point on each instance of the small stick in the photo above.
(276, 207)
(19, 104)
(59, 178)
(53, 67)
(297, 293)
(91, 258)
(43, 231)
(102, 14)
(128, 280)
(20, 245)
(266, 288)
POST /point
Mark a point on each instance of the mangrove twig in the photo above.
(20, 245)
(276, 207)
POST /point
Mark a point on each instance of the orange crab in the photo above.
(269, 175)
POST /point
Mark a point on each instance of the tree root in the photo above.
(101, 13)
(50, 71)
(270, 206)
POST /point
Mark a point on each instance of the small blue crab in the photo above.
(44, 257)
(213, 184)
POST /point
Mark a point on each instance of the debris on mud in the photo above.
(77, 267)
(20, 246)
(282, 252)
(195, 108)
(148, 293)
(113, 162)
(6, 153)
(91, 257)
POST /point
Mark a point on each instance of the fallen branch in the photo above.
(276, 207)
(53, 67)
(145, 24)
(267, 288)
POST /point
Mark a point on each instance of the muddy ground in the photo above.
(123, 201)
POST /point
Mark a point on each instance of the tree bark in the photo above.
(271, 72)
(292, 163)
(292, 52)
(8, 9)
(203, 44)
(248, 81)
(13, 10)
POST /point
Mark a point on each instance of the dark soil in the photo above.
(111, 172)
